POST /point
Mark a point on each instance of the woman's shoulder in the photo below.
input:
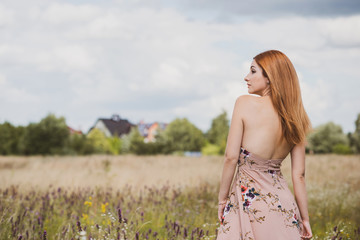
(245, 100)
(245, 104)
(247, 97)
(252, 104)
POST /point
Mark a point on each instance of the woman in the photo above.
(264, 130)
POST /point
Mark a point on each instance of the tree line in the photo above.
(51, 136)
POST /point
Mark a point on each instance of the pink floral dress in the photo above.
(260, 205)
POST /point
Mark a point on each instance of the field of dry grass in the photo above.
(108, 171)
(138, 171)
(332, 181)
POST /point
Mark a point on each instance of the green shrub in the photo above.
(341, 149)
(210, 149)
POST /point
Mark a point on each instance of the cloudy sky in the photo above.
(157, 60)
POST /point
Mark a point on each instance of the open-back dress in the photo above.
(260, 204)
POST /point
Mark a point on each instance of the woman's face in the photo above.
(256, 82)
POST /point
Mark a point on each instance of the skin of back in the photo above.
(262, 133)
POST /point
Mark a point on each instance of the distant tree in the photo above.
(115, 145)
(354, 138)
(125, 143)
(137, 144)
(325, 137)
(6, 138)
(99, 141)
(128, 141)
(218, 132)
(134, 143)
(49, 136)
(210, 149)
(181, 135)
(162, 141)
(9, 138)
(79, 144)
(341, 148)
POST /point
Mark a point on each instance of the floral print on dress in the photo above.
(296, 221)
(259, 197)
(248, 196)
(227, 209)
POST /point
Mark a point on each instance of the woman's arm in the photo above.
(232, 151)
(298, 179)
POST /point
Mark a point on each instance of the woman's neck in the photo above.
(266, 92)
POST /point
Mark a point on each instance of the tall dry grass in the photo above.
(107, 171)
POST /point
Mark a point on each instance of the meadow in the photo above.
(153, 197)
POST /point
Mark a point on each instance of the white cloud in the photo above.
(170, 75)
(59, 14)
(316, 96)
(6, 16)
(2, 80)
(154, 63)
(289, 32)
(64, 58)
(10, 94)
(341, 31)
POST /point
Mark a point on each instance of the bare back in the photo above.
(262, 133)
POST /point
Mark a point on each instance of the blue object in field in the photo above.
(192, 154)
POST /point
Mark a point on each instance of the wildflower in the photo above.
(85, 216)
(103, 207)
(119, 214)
(88, 203)
(79, 226)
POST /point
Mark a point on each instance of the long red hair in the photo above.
(285, 94)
